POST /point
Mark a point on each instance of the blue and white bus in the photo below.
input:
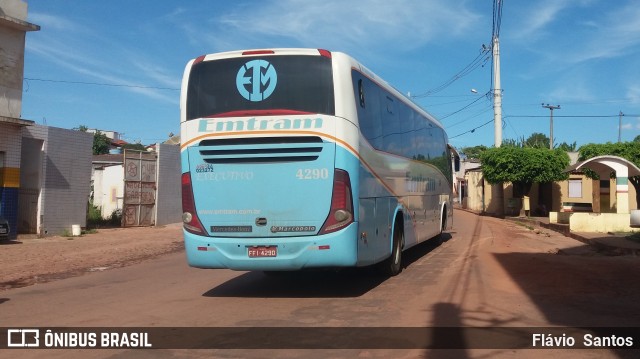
(303, 158)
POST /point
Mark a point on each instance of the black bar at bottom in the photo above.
(322, 338)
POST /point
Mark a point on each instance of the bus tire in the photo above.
(392, 266)
(443, 225)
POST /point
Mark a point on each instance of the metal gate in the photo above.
(28, 210)
(139, 188)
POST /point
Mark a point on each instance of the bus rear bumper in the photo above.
(331, 250)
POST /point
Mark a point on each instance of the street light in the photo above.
(551, 107)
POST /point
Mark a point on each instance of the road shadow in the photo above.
(565, 287)
(413, 254)
(343, 283)
(6, 242)
(447, 333)
(346, 283)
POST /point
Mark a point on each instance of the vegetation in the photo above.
(134, 146)
(536, 140)
(524, 165)
(474, 152)
(101, 142)
(95, 220)
(634, 237)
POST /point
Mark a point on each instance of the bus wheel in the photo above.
(392, 266)
(443, 226)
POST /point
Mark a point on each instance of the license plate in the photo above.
(262, 251)
(3, 230)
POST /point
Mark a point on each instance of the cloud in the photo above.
(336, 24)
(633, 94)
(572, 86)
(538, 19)
(51, 22)
(617, 35)
(83, 53)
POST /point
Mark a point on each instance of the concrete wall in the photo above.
(600, 222)
(587, 190)
(168, 195)
(474, 196)
(14, 8)
(11, 70)
(66, 177)
(13, 28)
(593, 222)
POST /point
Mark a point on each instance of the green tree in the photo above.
(134, 146)
(568, 147)
(101, 142)
(510, 142)
(474, 151)
(524, 166)
(537, 140)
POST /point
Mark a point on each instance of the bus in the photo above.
(304, 158)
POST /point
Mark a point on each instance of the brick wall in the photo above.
(66, 177)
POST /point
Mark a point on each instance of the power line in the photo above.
(472, 130)
(470, 117)
(497, 18)
(101, 84)
(463, 108)
(474, 64)
(570, 116)
(542, 116)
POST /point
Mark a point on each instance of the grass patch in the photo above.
(527, 226)
(95, 220)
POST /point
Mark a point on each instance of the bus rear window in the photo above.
(279, 83)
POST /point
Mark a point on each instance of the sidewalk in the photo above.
(29, 260)
(609, 242)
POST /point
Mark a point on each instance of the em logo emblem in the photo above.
(256, 80)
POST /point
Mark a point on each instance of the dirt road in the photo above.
(488, 273)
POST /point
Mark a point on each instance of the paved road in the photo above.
(487, 273)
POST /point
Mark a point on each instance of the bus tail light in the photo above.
(325, 53)
(341, 213)
(190, 219)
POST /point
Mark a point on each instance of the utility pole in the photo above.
(551, 107)
(620, 126)
(497, 94)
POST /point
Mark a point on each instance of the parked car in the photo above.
(4, 228)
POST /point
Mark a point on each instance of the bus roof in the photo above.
(264, 52)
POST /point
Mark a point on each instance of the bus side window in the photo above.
(361, 94)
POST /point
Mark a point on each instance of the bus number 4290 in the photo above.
(312, 173)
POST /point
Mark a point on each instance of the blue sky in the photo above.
(117, 65)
